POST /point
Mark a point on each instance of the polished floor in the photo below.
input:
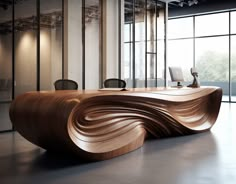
(207, 158)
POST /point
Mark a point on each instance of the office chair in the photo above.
(65, 84)
(114, 83)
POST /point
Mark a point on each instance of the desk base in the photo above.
(98, 125)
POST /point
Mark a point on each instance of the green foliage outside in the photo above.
(213, 66)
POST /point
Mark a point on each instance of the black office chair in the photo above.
(65, 84)
(114, 83)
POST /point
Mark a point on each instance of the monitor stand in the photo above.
(179, 85)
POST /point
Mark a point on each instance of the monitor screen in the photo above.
(176, 74)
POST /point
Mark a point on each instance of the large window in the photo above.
(180, 28)
(144, 43)
(212, 24)
(212, 62)
(233, 22)
(233, 55)
(180, 46)
(233, 68)
(206, 42)
(181, 54)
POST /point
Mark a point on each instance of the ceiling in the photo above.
(190, 3)
(4, 4)
(92, 12)
(183, 3)
(49, 20)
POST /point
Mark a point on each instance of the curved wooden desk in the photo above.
(99, 125)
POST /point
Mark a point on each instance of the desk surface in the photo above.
(97, 125)
(182, 93)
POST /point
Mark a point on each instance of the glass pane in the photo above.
(127, 59)
(180, 53)
(128, 47)
(92, 44)
(127, 72)
(5, 122)
(213, 24)
(160, 23)
(139, 42)
(139, 31)
(180, 28)
(112, 39)
(155, 16)
(160, 62)
(140, 64)
(5, 64)
(212, 58)
(151, 22)
(139, 20)
(127, 33)
(25, 46)
(233, 67)
(160, 44)
(151, 46)
(73, 64)
(50, 43)
(151, 70)
(233, 22)
(6, 53)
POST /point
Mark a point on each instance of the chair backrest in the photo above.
(65, 84)
(114, 83)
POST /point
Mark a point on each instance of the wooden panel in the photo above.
(98, 125)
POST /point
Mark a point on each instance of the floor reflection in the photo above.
(201, 158)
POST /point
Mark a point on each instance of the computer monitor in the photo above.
(176, 75)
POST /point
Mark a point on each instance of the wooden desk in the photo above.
(98, 125)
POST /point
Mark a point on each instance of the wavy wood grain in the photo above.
(98, 125)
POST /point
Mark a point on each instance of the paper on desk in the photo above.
(112, 89)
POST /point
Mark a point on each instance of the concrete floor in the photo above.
(207, 158)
